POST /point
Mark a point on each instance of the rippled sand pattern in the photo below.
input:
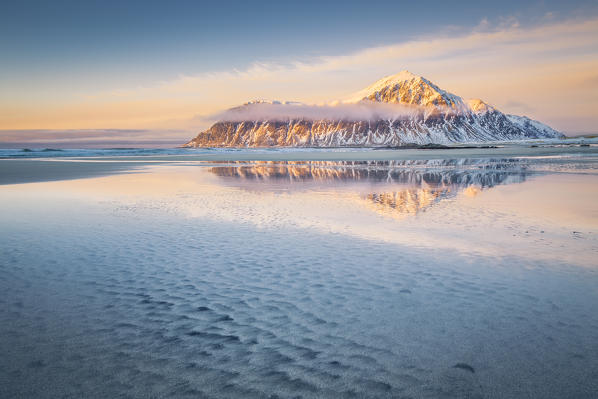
(101, 300)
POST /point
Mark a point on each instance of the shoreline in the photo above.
(30, 170)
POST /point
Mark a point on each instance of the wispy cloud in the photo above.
(90, 136)
(363, 111)
(519, 107)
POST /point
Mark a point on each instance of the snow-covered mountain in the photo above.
(397, 110)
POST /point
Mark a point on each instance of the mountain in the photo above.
(397, 110)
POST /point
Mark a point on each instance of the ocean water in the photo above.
(25, 151)
(8, 153)
(419, 278)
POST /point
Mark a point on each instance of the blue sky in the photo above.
(62, 49)
(145, 40)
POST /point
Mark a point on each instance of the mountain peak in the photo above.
(391, 80)
(408, 88)
(402, 76)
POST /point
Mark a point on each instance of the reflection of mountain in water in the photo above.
(406, 187)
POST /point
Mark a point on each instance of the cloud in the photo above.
(90, 136)
(363, 111)
(519, 106)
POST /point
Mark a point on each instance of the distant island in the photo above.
(396, 111)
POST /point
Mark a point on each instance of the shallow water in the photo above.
(454, 277)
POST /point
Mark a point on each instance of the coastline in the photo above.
(29, 170)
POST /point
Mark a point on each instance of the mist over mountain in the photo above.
(397, 110)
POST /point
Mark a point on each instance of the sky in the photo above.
(143, 70)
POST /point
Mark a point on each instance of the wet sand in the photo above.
(457, 277)
(18, 171)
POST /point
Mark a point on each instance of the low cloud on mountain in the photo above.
(362, 111)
